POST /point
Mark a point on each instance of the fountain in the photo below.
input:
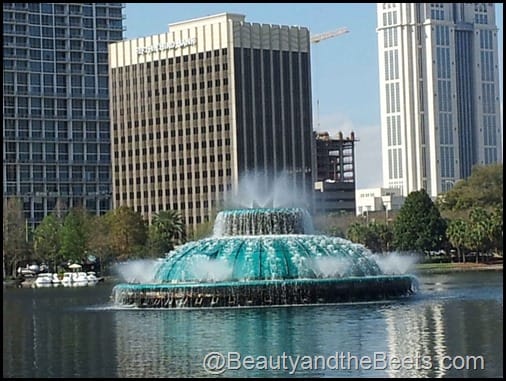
(264, 257)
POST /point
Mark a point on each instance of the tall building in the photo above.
(56, 131)
(439, 91)
(335, 173)
(196, 109)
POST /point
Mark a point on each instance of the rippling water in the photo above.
(66, 332)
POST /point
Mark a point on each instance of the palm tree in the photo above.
(167, 230)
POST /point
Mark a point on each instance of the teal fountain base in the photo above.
(265, 293)
(264, 257)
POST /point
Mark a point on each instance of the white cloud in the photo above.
(368, 161)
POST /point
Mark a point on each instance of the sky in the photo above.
(345, 75)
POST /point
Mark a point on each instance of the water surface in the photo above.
(76, 332)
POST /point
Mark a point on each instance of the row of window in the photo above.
(160, 192)
(171, 90)
(158, 135)
(182, 176)
(118, 80)
(101, 9)
(150, 122)
(174, 162)
(57, 172)
(180, 147)
(171, 61)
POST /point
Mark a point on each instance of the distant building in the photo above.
(56, 130)
(335, 173)
(199, 107)
(439, 92)
(378, 199)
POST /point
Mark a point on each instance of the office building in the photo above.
(196, 109)
(56, 131)
(439, 92)
(379, 199)
(335, 173)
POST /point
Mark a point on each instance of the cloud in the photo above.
(368, 161)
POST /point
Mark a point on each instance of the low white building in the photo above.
(378, 199)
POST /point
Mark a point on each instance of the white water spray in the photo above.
(138, 271)
(395, 263)
(331, 267)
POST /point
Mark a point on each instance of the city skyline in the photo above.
(357, 71)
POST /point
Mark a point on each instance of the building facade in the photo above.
(335, 173)
(439, 92)
(56, 131)
(198, 108)
(379, 199)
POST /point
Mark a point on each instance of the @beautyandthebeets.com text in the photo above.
(219, 363)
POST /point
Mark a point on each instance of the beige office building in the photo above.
(197, 108)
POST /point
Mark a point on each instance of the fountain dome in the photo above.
(264, 256)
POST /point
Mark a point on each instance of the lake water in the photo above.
(451, 328)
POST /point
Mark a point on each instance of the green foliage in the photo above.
(15, 246)
(46, 239)
(202, 230)
(335, 224)
(166, 230)
(98, 243)
(456, 233)
(377, 237)
(127, 232)
(419, 226)
(74, 235)
(484, 188)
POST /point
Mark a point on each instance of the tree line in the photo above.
(118, 235)
(467, 219)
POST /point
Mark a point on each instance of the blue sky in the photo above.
(344, 68)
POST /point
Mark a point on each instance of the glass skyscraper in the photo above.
(439, 91)
(56, 127)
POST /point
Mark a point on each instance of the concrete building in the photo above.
(439, 91)
(196, 109)
(378, 199)
(56, 131)
(335, 173)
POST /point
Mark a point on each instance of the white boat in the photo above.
(44, 280)
(92, 278)
(56, 280)
(67, 280)
(80, 279)
(75, 279)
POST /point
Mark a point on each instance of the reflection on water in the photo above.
(74, 333)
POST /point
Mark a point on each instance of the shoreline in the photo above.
(437, 268)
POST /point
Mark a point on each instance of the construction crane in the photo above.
(317, 38)
(323, 36)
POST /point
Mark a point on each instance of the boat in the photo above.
(56, 280)
(92, 278)
(43, 280)
(75, 279)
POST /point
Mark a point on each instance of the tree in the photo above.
(166, 230)
(46, 239)
(99, 241)
(484, 188)
(456, 234)
(15, 235)
(127, 232)
(358, 233)
(377, 237)
(419, 226)
(74, 235)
